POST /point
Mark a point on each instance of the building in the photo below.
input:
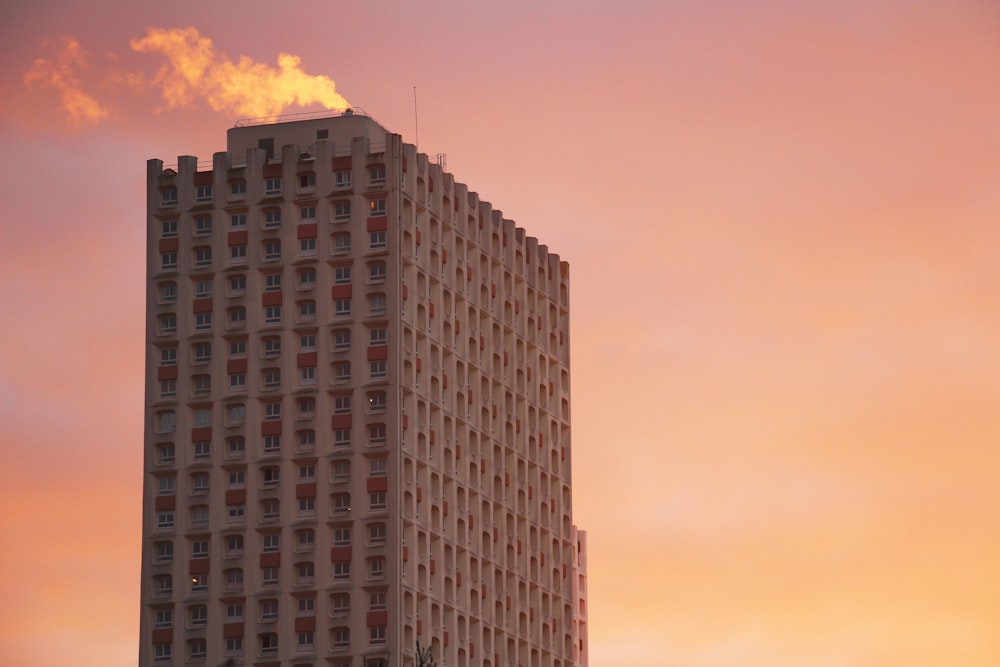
(357, 433)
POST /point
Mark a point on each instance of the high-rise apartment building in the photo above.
(357, 433)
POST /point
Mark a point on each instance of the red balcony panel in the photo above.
(236, 366)
(306, 359)
(472, 522)
(517, 306)
(430, 309)
(270, 560)
(378, 352)
(198, 566)
(458, 451)
(203, 178)
(272, 171)
(508, 601)
(480, 220)
(420, 626)
(444, 507)
(519, 546)
(417, 236)
(406, 553)
(444, 380)
(236, 496)
(482, 342)
(163, 635)
(406, 422)
(377, 224)
(458, 326)
(430, 185)
(305, 624)
(431, 436)
(468, 274)
(342, 163)
(506, 479)
(341, 421)
(305, 490)
(377, 618)
(340, 554)
(517, 425)
(169, 245)
(306, 231)
(270, 427)
(472, 649)
(202, 305)
(419, 364)
(201, 434)
(420, 494)
(458, 579)
(341, 291)
(433, 566)
(377, 484)
(493, 289)
(404, 164)
(166, 373)
(445, 635)
(232, 630)
(164, 503)
(238, 238)
(271, 298)
(406, 291)
(505, 358)
(444, 255)
(529, 373)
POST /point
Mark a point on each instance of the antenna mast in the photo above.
(416, 124)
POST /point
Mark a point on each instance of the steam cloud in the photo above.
(193, 71)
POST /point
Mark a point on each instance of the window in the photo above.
(377, 467)
(238, 221)
(272, 412)
(376, 272)
(307, 342)
(272, 378)
(376, 401)
(199, 583)
(199, 549)
(168, 356)
(163, 585)
(234, 545)
(376, 207)
(377, 336)
(237, 317)
(272, 282)
(376, 634)
(376, 568)
(272, 347)
(377, 501)
(234, 580)
(168, 260)
(166, 486)
(307, 472)
(272, 315)
(165, 519)
(238, 349)
(202, 353)
(236, 447)
(307, 278)
(268, 643)
(168, 197)
(305, 641)
(270, 510)
(203, 193)
(271, 475)
(163, 552)
(307, 440)
(237, 513)
(202, 225)
(166, 421)
(201, 385)
(341, 470)
(167, 292)
(268, 610)
(202, 450)
(269, 576)
(305, 573)
(237, 381)
(342, 275)
(168, 388)
(341, 179)
(236, 414)
(307, 506)
(168, 228)
(376, 240)
(341, 503)
(238, 253)
(234, 612)
(203, 321)
(199, 516)
(272, 186)
(199, 483)
(342, 537)
(376, 601)
(237, 188)
(342, 437)
(341, 243)
(161, 653)
(342, 211)
(376, 174)
(306, 606)
(165, 453)
(307, 311)
(376, 533)
(340, 603)
(376, 304)
(342, 339)
(234, 646)
(272, 218)
(237, 479)
(197, 615)
(203, 256)
(167, 324)
(342, 308)
(342, 405)
(202, 289)
(202, 417)
(307, 180)
(376, 369)
(376, 435)
(305, 539)
(342, 371)
(164, 618)
(342, 570)
(272, 250)
(272, 444)
(306, 406)
(307, 214)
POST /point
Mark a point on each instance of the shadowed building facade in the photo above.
(357, 432)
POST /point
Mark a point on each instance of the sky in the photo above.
(781, 220)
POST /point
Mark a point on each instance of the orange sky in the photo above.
(781, 218)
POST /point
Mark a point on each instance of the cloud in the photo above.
(245, 88)
(62, 72)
